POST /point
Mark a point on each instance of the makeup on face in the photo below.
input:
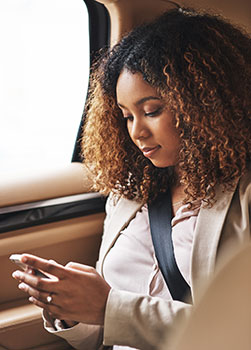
(149, 122)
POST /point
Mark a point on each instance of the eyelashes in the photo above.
(154, 113)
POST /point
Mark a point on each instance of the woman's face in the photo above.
(150, 124)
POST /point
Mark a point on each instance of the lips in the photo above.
(149, 151)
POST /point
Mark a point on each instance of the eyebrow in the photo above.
(142, 100)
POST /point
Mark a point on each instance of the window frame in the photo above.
(99, 37)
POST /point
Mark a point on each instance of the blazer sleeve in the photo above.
(82, 336)
(140, 321)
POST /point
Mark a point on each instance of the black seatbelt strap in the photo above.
(160, 216)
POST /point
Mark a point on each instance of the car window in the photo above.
(44, 69)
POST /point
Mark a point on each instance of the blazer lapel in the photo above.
(206, 237)
(124, 212)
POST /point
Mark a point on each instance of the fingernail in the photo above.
(17, 274)
(21, 286)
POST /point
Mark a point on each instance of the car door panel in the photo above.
(60, 220)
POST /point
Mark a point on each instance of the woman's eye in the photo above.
(154, 113)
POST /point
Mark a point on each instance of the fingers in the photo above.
(38, 283)
(49, 266)
(51, 306)
(78, 293)
(53, 261)
(40, 296)
(46, 301)
(30, 271)
(54, 310)
(80, 267)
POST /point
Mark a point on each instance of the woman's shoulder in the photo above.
(120, 206)
(119, 213)
(115, 201)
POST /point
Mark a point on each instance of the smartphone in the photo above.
(16, 258)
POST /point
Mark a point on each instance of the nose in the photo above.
(138, 129)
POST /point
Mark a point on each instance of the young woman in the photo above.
(169, 108)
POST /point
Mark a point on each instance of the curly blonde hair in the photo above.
(200, 65)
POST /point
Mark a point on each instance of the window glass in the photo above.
(44, 68)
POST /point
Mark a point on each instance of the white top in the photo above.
(131, 264)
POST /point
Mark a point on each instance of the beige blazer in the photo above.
(226, 223)
(140, 321)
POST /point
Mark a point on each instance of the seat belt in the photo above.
(160, 216)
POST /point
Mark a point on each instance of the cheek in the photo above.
(168, 133)
(172, 142)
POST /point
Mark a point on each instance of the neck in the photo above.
(177, 193)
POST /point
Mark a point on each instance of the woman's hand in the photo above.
(77, 291)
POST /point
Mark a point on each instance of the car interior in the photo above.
(55, 214)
